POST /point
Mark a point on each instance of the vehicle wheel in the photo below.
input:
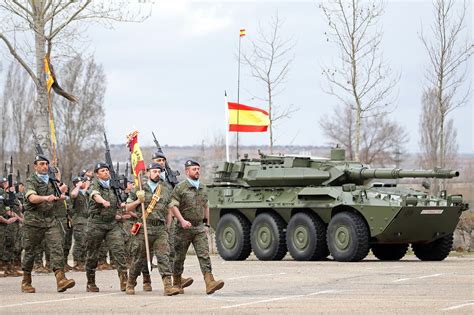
(233, 237)
(389, 251)
(306, 237)
(268, 237)
(348, 237)
(435, 251)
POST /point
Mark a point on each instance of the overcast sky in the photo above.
(169, 73)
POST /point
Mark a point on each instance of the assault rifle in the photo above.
(11, 194)
(114, 180)
(51, 172)
(171, 176)
(18, 180)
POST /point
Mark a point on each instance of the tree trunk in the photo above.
(41, 123)
(271, 117)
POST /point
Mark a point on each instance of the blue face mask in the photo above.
(152, 185)
(44, 178)
(105, 183)
(194, 182)
(82, 191)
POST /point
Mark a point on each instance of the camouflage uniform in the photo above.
(157, 233)
(80, 212)
(40, 224)
(3, 227)
(192, 203)
(60, 213)
(102, 225)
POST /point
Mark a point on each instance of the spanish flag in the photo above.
(242, 32)
(138, 164)
(243, 118)
(51, 82)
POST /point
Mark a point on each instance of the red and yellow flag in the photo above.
(243, 118)
(243, 32)
(138, 164)
(48, 76)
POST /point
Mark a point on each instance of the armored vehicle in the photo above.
(316, 207)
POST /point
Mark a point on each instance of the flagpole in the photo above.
(238, 101)
(226, 104)
(145, 230)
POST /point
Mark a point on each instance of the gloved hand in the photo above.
(141, 196)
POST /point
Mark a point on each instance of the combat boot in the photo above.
(147, 282)
(91, 287)
(186, 282)
(26, 286)
(2, 265)
(79, 266)
(10, 271)
(211, 284)
(47, 267)
(123, 281)
(38, 268)
(62, 282)
(131, 283)
(67, 267)
(168, 289)
(177, 283)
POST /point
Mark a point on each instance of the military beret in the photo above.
(41, 157)
(154, 166)
(2, 180)
(76, 179)
(191, 163)
(158, 155)
(100, 165)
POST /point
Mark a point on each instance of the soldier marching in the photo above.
(48, 219)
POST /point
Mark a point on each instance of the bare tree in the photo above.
(446, 74)
(361, 80)
(80, 126)
(380, 137)
(19, 99)
(269, 62)
(431, 137)
(30, 30)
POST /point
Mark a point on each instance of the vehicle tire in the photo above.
(233, 237)
(268, 237)
(389, 251)
(306, 237)
(348, 237)
(435, 251)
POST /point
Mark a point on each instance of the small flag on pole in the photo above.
(242, 32)
(138, 164)
(243, 118)
(51, 82)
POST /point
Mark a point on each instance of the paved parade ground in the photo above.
(371, 286)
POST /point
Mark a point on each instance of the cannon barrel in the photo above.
(365, 173)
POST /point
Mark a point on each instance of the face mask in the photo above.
(44, 178)
(163, 175)
(105, 183)
(194, 182)
(82, 191)
(152, 185)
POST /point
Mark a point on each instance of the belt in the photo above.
(195, 222)
(104, 218)
(155, 222)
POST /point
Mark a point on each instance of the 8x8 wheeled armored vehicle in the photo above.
(316, 207)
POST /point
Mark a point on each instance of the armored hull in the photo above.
(313, 208)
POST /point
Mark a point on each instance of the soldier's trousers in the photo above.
(158, 244)
(171, 239)
(3, 229)
(12, 238)
(112, 234)
(33, 236)
(40, 251)
(198, 237)
(79, 249)
(67, 238)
